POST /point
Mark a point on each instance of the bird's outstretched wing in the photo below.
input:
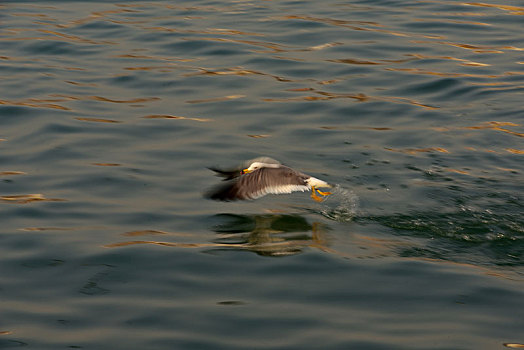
(259, 183)
(231, 173)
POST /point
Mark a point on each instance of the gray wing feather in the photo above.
(234, 172)
(261, 182)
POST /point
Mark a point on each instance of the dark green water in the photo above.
(110, 113)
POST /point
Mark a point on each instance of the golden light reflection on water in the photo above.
(258, 136)
(147, 68)
(227, 71)
(360, 97)
(462, 61)
(497, 126)
(49, 102)
(515, 151)
(6, 173)
(513, 10)
(449, 74)
(63, 97)
(221, 31)
(154, 233)
(107, 164)
(408, 101)
(474, 48)
(216, 99)
(144, 232)
(418, 150)
(74, 38)
(97, 120)
(508, 169)
(462, 172)
(323, 46)
(12, 58)
(458, 21)
(328, 82)
(156, 58)
(355, 127)
(33, 103)
(28, 198)
(354, 61)
(81, 84)
(57, 36)
(492, 125)
(133, 100)
(168, 116)
(360, 26)
(41, 229)
(239, 71)
(94, 16)
(234, 35)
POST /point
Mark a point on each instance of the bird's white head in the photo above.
(257, 165)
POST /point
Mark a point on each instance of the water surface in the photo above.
(111, 111)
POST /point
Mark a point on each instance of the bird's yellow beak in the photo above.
(245, 171)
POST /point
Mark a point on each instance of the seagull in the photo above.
(261, 176)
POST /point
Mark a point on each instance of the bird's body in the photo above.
(264, 176)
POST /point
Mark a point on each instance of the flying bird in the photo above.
(262, 176)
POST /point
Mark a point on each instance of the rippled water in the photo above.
(111, 111)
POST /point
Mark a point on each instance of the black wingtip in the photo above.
(226, 174)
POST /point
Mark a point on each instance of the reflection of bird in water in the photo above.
(262, 176)
(267, 235)
(270, 235)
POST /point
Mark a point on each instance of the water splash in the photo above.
(341, 205)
